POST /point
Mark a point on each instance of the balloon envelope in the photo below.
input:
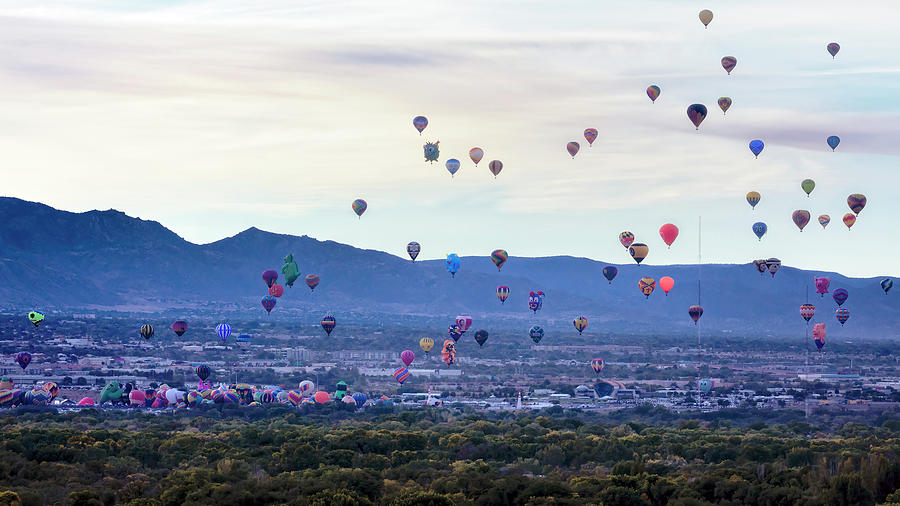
(452, 165)
(359, 207)
(695, 312)
(312, 281)
(728, 63)
(481, 336)
(653, 92)
(638, 252)
(536, 333)
(495, 167)
(328, 324)
(322, 397)
(760, 228)
(597, 365)
(572, 147)
(807, 311)
(453, 263)
(856, 202)
(833, 48)
(463, 321)
(666, 283)
(824, 220)
(626, 238)
(426, 343)
(223, 330)
(580, 323)
(756, 147)
(840, 296)
(276, 290)
(401, 374)
(412, 249)
(849, 219)
(502, 293)
(609, 272)
(23, 358)
(822, 285)
(420, 122)
(842, 315)
(476, 154)
(886, 285)
(35, 317)
(499, 257)
(179, 327)
(146, 331)
(696, 113)
(800, 218)
(646, 285)
(669, 233)
(407, 357)
(753, 198)
(819, 335)
(590, 135)
(706, 17)
(270, 276)
(268, 303)
(724, 104)
(808, 186)
(833, 142)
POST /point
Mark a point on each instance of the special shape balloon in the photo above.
(696, 113)
(448, 352)
(808, 186)
(573, 147)
(669, 233)
(359, 207)
(840, 296)
(824, 220)
(706, 17)
(420, 122)
(753, 198)
(464, 322)
(499, 257)
(502, 293)
(856, 202)
(819, 335)
(609, 272)
(626, 238)
(822, 285)
(590, 135)
(646, 285)
(35, 317)
(728, 63)
(476, 154)
(580, 324)
(666, 283)
(452, 166)
(760, 229)
(756, 147)
(453, 263)
(412, 249)
(653, 92)
(290, 270)
(724, 104)
(800, 218)
(773, 264)
(638, 252)
(849, 219)
(431, 151)
(833, 142)
(833, 48)
(454, 332)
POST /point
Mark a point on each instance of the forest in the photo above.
(438, 457)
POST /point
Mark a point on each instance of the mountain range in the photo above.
(107, 260)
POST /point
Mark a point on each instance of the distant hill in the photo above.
(106, 259)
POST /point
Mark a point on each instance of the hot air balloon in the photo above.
(666, 283)
(609, 272)
(499, 257)
(761, 266)
(753, 198)
(420, 122)
(179, 327)
(580, 323)
(426, 343)
(495, 167)
(833, 142)
(454, 332)
(536, 333)
(819, 335)
(463, 321)
(590, 135)
(407, 357)
(706, 17)
(849, 220)
(638, 252)
(653, 92)
(290, 270)
(223, 330)
(808, 186)
(412, 249)
(270, 277)
(452, 264)
(243, 339)
(626, 238)
(840, 296)
(822, 285)
(773, 264)
(760, 228)
(756, 147)
(23, 358)
(448, 352)
(276, 291)
(807, 311)
(886, 285)
(481, 336)
(306, 386)
(452, 166)
(268, 303)
(842, 315)
(824, 220)
(856, 203)
(203, 371)
(502, 293)
(669, 233)
(476, 154)
(146, 331)
(322, 397)
(597, 365)
(724, 104)
(728, 63)
(695, 312)
(328, 323)
(359, 207)
(312, 281)
(572, 147)
(534, 301)
(705, 385)
(35, 317)
(696, 113)
(432, 151)
(800, 218)
(646, 285)
(833, 48)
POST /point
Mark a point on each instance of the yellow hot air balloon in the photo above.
(426, 343)
(706, 16)
(753, 199)
(638, 251)
(647, 285)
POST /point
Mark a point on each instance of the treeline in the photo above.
(433, 457)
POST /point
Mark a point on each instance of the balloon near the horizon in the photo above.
(499, 257)
(609, 272)
(412, 249)
(638, 251)
(822, 283)
(840, 296)
(453, 264)
(626, 238)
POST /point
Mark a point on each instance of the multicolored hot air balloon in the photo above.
(609, 272)
(270, 277)
(696, 113)
(840, 296)
(724, 104)
(753, 198)
(638, 252)
(448, 352)
(822, 285)
(833, 142)
(454, 332)
(179, 327)
(502, 293)
(819, 335)
(597, 365)
(856, 202)
(223, 330)
(773, 264)
(833, 48)
(432, 151)
(146, 331)
(453, 264)
(23, 358)
(800, 218)
(420, 122)
(495, 167)
(268, 303)
(401, 374)
(669, 233)
(728, 63)
(312, 281)
(626, 238)
(452, 166)
(646, 285)
(580, 324)
(534, 301)
(426, 343)
(760, 266)
(328, 324)
(573, 147)
(695, 312)
(808, 185)
(481, 336)
(536, 333)
(359, 207)
(463, 321)
(849, 219)
(886, 285)
(35, 317)
(842, 315)
(590, 135)
(756, 147)
(476, 154)
(407, 357)
(653, 92)
(290, 270)
(807, 311)
(760, 229)
(824, 220)
(499, 257)
(706, 17)
(666, 283)
(412, 249)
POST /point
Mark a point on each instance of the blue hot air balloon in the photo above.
(452, 166)
(609, 272)
(223, 330)
(756, 147)
(760, 229)
(833, 142)
(452, 264)
(886, 285)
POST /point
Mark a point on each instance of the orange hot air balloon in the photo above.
(476, 154)
(668, 232)
(849, 220)
(321, 397)
(666, 283)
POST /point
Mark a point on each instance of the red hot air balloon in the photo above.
(666, 283)
(23, 358)
(276, 290)
(270, 277)
(180, 327)
(407, 356)
(669, 233)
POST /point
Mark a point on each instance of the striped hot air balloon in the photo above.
(328, 323)
(401, 374)
(580, 323)
(597, 365)
(502, 293)
(807, 311)
(223, 330)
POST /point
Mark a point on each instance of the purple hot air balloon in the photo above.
(840, 296)
(270, 277)
(822, 285)
(268, 302)
(407, 356)
(23, 358)
(696, 113)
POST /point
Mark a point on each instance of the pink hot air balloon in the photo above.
(573, 148)
(276, 290)
(407, 356)
(669, 233)
(590, 135)
(822, 285)
(463, 321)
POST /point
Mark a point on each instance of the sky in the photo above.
(214, 116)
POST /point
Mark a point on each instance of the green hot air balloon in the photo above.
(35, 318)
(290, 270)
(808, 186)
